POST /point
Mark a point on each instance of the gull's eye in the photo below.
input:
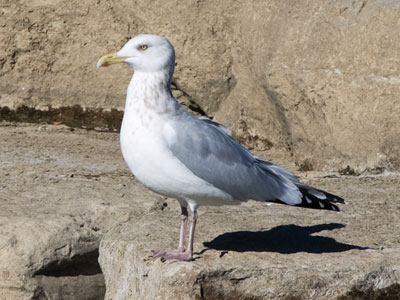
(143, 47)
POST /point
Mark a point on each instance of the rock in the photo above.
(312, 80)
(60, 191)
(311, 83)
(256, 251)
(36, 251)
(63, 191)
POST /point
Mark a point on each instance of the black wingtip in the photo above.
(310, 201)
(318, 199)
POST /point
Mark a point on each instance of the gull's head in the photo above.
(145, 53)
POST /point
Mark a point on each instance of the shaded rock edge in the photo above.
(74, 116)
(391, 292)
(210, 291)
(69, 278)
(85, 264)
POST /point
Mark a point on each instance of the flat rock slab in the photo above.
(255, 251)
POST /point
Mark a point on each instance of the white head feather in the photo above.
(149, 53)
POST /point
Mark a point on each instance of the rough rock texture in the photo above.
(264, 252)
(317, 80)
(313, 84)
(60, 190)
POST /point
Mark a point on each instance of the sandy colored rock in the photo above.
(263, 252)
(315, 80)
(312, 84)
(60, 191)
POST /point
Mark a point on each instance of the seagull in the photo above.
(194, 160)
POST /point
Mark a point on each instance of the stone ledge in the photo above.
(253, 252)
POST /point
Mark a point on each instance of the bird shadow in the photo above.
(285, 239)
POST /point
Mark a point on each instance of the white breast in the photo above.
(149, 108)
(153, 164)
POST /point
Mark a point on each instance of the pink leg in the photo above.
(193, 221)
(182, 236)
(184, 255)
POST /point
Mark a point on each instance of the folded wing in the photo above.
(206, 148)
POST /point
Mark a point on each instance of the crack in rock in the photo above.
(84, 264)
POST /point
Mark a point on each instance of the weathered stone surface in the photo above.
(263, 252)
(316, 80)
(60, 191)
(308, 83)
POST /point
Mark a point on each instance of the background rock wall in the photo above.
(315, 80)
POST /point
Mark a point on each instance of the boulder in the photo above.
(256, 251)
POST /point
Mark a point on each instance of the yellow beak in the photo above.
(110, 59)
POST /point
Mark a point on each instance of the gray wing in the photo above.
(220, 127)
(213, 155)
